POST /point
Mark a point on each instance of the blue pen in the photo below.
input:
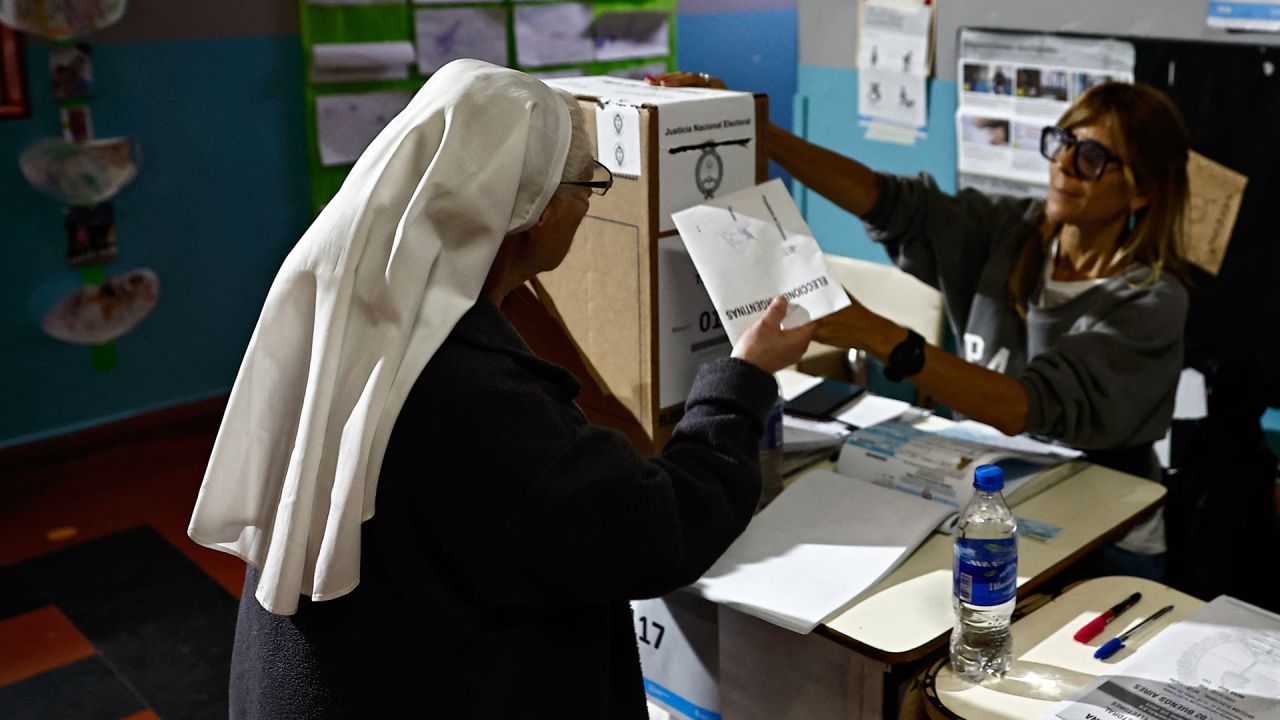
(1115, 644)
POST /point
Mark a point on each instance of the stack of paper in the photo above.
(819, 545)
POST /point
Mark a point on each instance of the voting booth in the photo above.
(627, 293)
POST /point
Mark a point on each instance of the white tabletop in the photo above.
(908, 613)
(1049, 665)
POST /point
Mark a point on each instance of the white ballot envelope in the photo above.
(750, 247)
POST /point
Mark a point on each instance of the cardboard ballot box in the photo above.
(627, 293)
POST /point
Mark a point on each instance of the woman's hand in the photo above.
(857, 327)
(680, 78)
(767, 346)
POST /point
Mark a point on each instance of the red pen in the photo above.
(1090, 631)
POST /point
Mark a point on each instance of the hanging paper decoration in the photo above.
(83, 173)
(71, 70)
(80, 173)
(97, 314)
(61, 19)
(91, 235)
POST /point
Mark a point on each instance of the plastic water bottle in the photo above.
(985, 574)
(771, 455)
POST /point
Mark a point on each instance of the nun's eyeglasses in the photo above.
(600, 182)
(1090, 158)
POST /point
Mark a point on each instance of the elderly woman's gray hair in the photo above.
(577, 165)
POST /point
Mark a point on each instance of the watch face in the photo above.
(906, 358)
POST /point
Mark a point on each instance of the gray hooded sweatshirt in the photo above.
(1100, 369)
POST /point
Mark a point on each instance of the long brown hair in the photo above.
(1152, 140)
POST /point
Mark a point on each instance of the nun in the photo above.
(427, 518)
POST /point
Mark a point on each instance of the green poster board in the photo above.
(362, 22)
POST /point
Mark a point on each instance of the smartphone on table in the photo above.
(823, 399)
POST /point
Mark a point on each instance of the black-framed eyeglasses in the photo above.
(1090, 158)
(600, 182)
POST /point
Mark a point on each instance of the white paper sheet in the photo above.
(1223, 662)
(350, 62)
(825, 540)
(689, 331)
(791, 383)
(752, 246)
(706, 138)
(1191, 401)
(802, 435)
(446, 34)
(622, 36)
(873, 409)
(554, 34)
(618, 139)
(346, 124)
(893, 62)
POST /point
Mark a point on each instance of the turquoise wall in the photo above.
(220, 198)
(826, 113)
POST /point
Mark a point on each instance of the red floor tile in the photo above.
(37, 641)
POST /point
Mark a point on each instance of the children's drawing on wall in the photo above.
(630, 35)
(554, 34)
(447, 34)
(346, 124)
(97, 314)
(71, 70)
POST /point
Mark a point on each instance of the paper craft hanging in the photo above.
(61, 19)
(91, 235)
(71, 72)
(97, 314)
(84, 173)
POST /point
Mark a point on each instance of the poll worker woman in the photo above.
(1069, 311)
(430, 523)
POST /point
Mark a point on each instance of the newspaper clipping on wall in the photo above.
(1012, 85)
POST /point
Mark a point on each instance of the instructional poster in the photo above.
(1013, 85)
(893, 62)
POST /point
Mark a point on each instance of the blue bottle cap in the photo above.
(989, 478)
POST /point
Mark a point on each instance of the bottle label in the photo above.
(986, 571)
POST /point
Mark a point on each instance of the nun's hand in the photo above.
(767, 346)
(686, 79)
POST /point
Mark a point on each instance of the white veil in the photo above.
(356, 311)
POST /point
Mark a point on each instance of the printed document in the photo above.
(752, 246)
(938, 466)
(1222, 662)
(1011, 85)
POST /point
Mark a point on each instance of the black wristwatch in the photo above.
(906, 358)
